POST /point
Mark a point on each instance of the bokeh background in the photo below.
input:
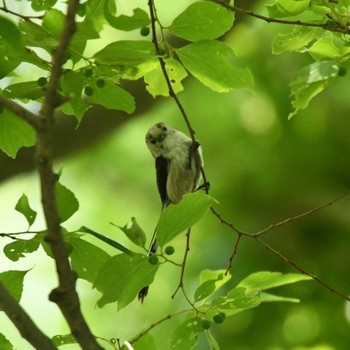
(262, 169)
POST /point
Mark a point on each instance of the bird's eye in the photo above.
(164, 128)
(153, 141)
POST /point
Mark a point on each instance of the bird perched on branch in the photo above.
(178, 162)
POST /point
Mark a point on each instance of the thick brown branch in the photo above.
(23, 322)
(65, 296)
(20, 111)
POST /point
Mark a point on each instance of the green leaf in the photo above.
(24, 208)
(13, 281)
(41, 5)
(67, 203)
(112, 96)
(268, 298)
(287, 8)
(134, 232)
(29, 90)
(95, 9)
(324, 48)
(16, 250)
(236, 300)
(14, 133)
(310, 81)
(63, 339)
(202, 21)
(72, 84)
(5, 344)
(147, 341)
(126, 52)
(178, 218)
(185, 336)
(11, 46)
(107, 240)
(215, 65)
(86, 258)
(139, 19)
(295, 40)
(266, 280)
(211, 281)
(211, 340)
(122, 277)
(156, 83)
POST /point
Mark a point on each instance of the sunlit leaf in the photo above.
(147, 341)
(185, 336)
(122, 277)
(24, 208)
(67, 203)
(324, 48)
(134, 232)
(287, 8)
(266, 279)
(13, 281)
(215, 65)
(29, 90)
(268, 298)
(86, 258)
(202, 20)
(41, 5)
(16, 250)
(14, 133)
(155, 80)
(178, 218)
(211, 281)
(295, 40)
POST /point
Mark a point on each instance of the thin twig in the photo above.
(7, 10)
(338, 27)
(25, 325)
(234, 252)
(300, 269)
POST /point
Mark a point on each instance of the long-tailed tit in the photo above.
(178, 167)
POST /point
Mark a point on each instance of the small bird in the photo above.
(178, 162)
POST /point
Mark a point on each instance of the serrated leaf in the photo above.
(16, 250)
(134, 232)
(14, 133)
(211, 281)
(5, 343)
(138, 19)
(202, 21)
(324, 48)
(185, 336)
(86, 258)
(67, 203)
(215, 65)
(126, 52)
(178, 218)
(29, 90)
(156, 83)
(122, 277)
(13, 281)
(310, 81)
(24, 208)
(72, 84)
(112, 96)
(266, 280)
(63, 339)
(287, 8)
(295, 40)
(11, 46)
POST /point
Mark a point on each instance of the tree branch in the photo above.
(65, 295)
(23, 322)
(334, 27)
(20, 111)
